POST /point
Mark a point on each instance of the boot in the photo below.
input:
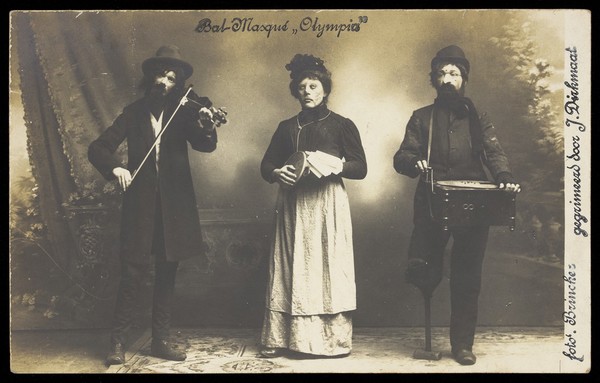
(464, 356)
(116, 354)
(164, 350)
(271, 352)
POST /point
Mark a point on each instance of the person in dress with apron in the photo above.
(311, 291)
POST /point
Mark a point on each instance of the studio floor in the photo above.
(223, 351)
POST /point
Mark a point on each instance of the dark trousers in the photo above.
(132, 277)
(428, 242)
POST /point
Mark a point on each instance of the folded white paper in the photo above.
(323, 164)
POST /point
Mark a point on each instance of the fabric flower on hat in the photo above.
(305, 62)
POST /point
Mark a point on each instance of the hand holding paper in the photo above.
(323, 164)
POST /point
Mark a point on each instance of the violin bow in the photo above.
(181, 102)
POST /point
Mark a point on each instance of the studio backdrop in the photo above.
(73, 72)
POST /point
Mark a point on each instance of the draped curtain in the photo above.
(77, 70)
(75, 77)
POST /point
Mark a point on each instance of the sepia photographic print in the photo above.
(300, 191)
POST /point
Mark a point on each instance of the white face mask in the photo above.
(450, 74)
(311, 93)
(165, 82)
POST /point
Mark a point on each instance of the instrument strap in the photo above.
(430, 134)
(429, 139)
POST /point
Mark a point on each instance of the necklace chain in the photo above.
(308, 123)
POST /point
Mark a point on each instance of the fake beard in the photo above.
(452, 99)
(157, 91)
(158, 96)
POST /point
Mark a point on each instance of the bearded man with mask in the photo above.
(159, 221)
(462, 143)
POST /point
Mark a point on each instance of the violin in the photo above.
(196, 102)
(190, 100)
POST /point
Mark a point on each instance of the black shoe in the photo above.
(464, 357)
(270, 352)
(164, 350)
(302, 355)
(116, 354)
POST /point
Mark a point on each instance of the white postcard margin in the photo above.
(576, 350)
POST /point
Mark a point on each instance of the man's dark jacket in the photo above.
(173, 181)
(452, 157)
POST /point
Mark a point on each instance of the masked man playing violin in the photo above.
(159, 222)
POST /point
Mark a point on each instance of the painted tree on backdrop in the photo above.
(534, 131)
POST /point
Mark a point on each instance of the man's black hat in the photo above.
(452, 54)
(167, 55)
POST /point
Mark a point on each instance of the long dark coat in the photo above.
(172, 181)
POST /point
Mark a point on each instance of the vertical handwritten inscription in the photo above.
(572, 109)
(569, 316)
(574, 164)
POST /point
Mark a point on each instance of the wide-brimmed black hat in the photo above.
(167, 55)
(452, 54)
